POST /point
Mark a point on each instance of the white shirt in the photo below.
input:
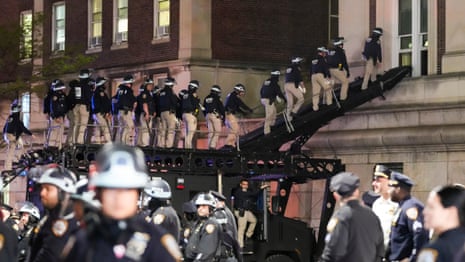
(385, 210)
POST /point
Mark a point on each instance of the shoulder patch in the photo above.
(59, 227)
(2, 241)
(332, 224)
(369, 39)
(412, 213)
(16, 227)
(210, 228)
(144, 96)
(102, 93)
(289, 70)
(55, 98)
(315, 61)
(428, 255)
(158, 219)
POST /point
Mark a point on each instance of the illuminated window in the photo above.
(161, 18)
(333, 19)
(121, 21)
(95, 23)
(26, 108)
(26, 35)
(58, 27)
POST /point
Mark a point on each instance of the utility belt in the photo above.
(215, 113)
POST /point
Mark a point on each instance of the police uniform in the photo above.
(320, 75)
(215, 114)
(125, 105)
(146, 105)
(408, 235)
(372, 53)
(130, 240)
(269, 93)
(244, 204)
(101, 108)
(444, 248)
(293, 80)
(338, 67)
(354, 232)
(58, 110)
(204, 241)
(82, 92)
(70, 101)
(233, 107)
(190, 107)
(167, 103)
(8, 243)
(12, 132)
(166, 217)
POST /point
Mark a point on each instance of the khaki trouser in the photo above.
(291, 92)
(70, 133)
(55, 137)
(270, 115)
(168, 128)
(242, 225)
(190, 122)
(158, 129)
(319, 82)
(12, 144)
(145, 128)
(214, 129)
(126, 123)
(370, 72)
(103, 126)
(81, 118)
(341, 76)
(233, 125)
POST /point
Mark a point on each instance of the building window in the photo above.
(25, 48)
(95, 23)
(161, 18)
(333, 19)
(26, 108)
(413, 35)
(58, 27)
(121, 21)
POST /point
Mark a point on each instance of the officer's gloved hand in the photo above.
(302, 89)
(278, 99)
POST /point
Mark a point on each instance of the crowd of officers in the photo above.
(120, 214)
(395, 226)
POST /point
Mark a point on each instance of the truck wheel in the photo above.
(278, 258)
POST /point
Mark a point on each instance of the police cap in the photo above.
(381, 171)
(84, 73)
(378, 31)
(399, 179)
(218, 195)
(338, 41)
(170, 81)
(344, 183)
(128, 79)
(6, 207)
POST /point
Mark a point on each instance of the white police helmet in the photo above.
(128, 79)
(193, 85)
(15, 106)
(57, 84)
(275, 72)
(120, 166)
(322, 49)
(158, 188)
(60, 177)
(215, 89)
(239, 88)
(84, 73)
(378, 31)
(205, 199)
(30, 208)
(297, 60)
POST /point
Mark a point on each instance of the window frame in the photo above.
(91, 23)
(55, 28)
(26, 42)
(117, 19)
(161, 32)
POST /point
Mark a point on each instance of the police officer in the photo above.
(29, 217)
(354, 232)
(163, 213)
(320, 78)
(82, 93)
(12, 132)
(294, 87)
(84, 201)
(58, 110)
(71, 103)
(233, 107)
(383, 206)
(126, 103)
(146, 105)
(215, 115)
(53, 231)
(189, 219)
(444, 214)
(408, 235)
(269, 93)
(190, 106)
(338, 67)
(8, 239)
(372, 54)
(119, 233)
(101, 108)
(205, 239)
(167, 103)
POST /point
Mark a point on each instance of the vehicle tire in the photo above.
(279, 258)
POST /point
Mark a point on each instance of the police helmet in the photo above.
(84, 73)
(15, 106)
(83, 194)
(193, 85)
(275, 72)
(57, 84)
(148, 81)
(170, 82)
(338, 41)
(205, 199)
(60, 177)
(322, 49)
(120, 166)
(216, 89)
(239, 88)
(158, 188)
(128, 79)
(100, 81)
(182, 92)
(297, 60)
(30, 208)
(378, 31)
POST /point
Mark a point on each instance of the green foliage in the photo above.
(11, 90)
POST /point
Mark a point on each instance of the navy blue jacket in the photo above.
(270, 90)
(373, 49)
(293, 75)
(319, 65)
(234, 104)
(337, 59)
